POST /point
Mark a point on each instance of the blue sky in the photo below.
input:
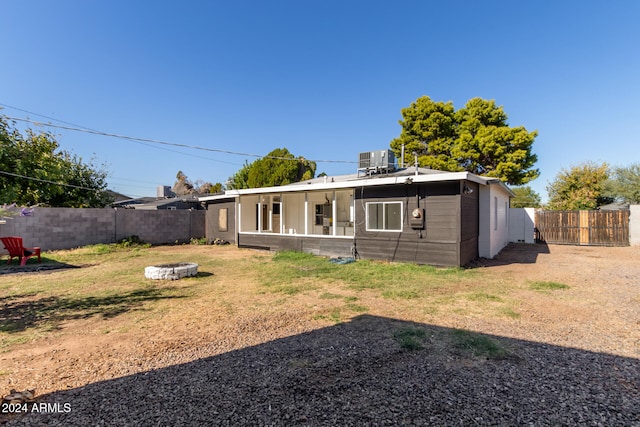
(325, 79)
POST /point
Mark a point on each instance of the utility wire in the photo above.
(155, 141)
(93, 130)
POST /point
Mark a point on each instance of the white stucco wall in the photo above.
(494, 220)
(521, 225)
(634, 225)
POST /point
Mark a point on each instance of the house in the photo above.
(412, 215)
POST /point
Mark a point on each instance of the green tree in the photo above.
(279, 167)
(33, 170)
(581, 187)
(525, 197)
(624, 183)
(203, 187)
(476, 138)
(240, 179)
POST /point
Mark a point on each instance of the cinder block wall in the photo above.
(161, 226)
(634, 225)
(65, 228)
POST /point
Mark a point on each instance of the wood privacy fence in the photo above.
(593, 228)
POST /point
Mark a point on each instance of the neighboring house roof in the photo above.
(154, 203)
(118, 197)
(616, 206)
(129, 202)
(402, 176)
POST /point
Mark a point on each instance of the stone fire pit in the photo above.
(171, 271)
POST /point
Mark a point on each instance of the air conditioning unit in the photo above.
(377, 161)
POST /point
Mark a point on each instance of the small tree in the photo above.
(581, 187)
(625, 183)
(279, 167)
(525, 198)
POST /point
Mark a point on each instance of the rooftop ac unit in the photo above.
(377, 161)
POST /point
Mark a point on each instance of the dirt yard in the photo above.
(306, 369)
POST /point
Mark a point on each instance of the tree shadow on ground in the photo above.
(362, 373)
(21, 312)
(514, 253)
(33, 266)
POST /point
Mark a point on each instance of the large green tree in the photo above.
(34, 171)
(279, 167)
(476, 138)
(583, 186)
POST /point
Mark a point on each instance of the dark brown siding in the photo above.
(213, 225)
(469, 222)
(314, 245)
(441, 242)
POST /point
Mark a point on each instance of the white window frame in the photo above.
(384, 213)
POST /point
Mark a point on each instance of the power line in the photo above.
(93, 130)
(155, 141)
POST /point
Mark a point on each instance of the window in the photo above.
(386, 216)
(322, 212)
(222, 220)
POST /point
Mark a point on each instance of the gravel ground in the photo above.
(357, 373)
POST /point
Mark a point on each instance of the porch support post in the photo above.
(281, 225)
(259, 215)
(334, 214)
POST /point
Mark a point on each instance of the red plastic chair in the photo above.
(16, 250)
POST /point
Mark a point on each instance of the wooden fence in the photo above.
(593, 228)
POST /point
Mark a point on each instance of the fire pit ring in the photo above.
(171, 271)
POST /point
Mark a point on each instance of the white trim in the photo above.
(334, 214)
(395, 202)
(306, 213)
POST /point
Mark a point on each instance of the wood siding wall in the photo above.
(325, 246)
(450, 237)
(591, 228)
(213, 224)
(469, 222)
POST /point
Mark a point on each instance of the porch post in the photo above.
(281, 227)
(259, 209)
(306, 213)
(334, 214)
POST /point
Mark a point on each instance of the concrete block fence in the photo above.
(66, 228)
